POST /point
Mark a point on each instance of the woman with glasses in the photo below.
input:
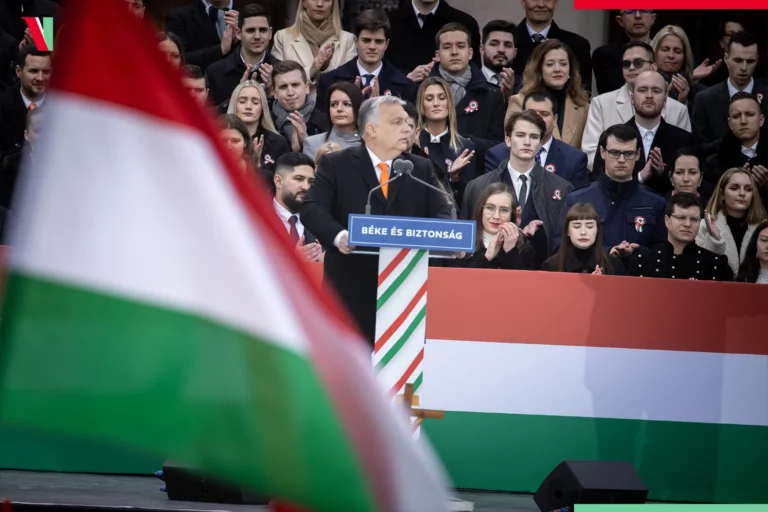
(500, 242)
(754, 268)
(732, 216)
(581, 250)
(553, 67)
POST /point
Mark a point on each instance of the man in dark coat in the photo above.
(631, 214)
(413, 35)
(293, 110)
(541, 194)
(679, 257)
(206, 29)
(341, 188)
(369, 69)
(539, 26)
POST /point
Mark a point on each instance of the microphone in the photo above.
(397, 171)
(408, 170)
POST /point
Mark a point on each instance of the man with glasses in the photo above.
(615, 107)
(679, 257)
(631, 214)
(606, 60)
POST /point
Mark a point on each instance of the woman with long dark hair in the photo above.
(754, 268)
(235, 137)
(344, 100)
(581, 250)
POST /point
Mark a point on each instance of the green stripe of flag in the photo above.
(400, 279)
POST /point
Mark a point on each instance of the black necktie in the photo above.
(538, 38)
(425, 17)
(213, 13)
(368, 80)
(523, 190)
(294, 233)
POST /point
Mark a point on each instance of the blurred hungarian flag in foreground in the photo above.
(154, 301)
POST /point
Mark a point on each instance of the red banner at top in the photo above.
(698, 5)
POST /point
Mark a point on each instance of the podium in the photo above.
(405, 246)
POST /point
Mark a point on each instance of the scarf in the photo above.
(458, 82)
(487, 238)
(315, 35)
(282, 123)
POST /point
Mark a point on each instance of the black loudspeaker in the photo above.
(587, 481)
(185, 484)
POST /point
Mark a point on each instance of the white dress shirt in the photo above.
(750, 152)
(376, 161)
(417, 11)
(732, 90)
(28, 102)
(544, 151)
(491, 76)
(435, 139)
(647, 137)
(518, 183)
(362, 71)
(284, 215)
(544, 32)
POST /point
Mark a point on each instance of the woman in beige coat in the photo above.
(315, 40)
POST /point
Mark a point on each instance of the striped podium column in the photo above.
(401, 310)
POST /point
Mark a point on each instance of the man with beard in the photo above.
(679, 257)
(294, 173)
(498, 52)
(606, 60)
(660, 140)
(250, 61)
(33, 70)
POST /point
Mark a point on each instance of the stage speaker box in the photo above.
(593, 482)
(185, 484)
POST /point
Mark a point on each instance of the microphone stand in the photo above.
(409, 172)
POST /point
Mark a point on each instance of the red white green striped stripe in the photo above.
(154, 302)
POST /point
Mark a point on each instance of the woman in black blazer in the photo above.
(581, 250)
(439, 138)
(500, 242)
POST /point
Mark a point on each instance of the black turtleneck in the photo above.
(585, 257)
(560, 97)
(738, 230)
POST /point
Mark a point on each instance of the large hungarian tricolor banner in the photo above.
(154, 301)
(537, 367)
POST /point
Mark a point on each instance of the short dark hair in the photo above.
(743, 95)
(30, 49)
(743, 38)
(525, 115)
(252, 11)
(286, 66)
(683, 200)
(620, 132)
(452, 27)
(639, 44)
(688, 151)
(498, 26)
(355, 96)
(541, 95)
(289, 161)
(373, 20)
(412, 111)
(193, 71)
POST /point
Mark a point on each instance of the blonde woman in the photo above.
(553, 67)
(674, 59)
(249, 103)
(324, 149)
(315, 40)
(439, 138)
(732, 214)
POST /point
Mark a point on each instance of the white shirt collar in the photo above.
(751, 152)
(417, 11)
(435, 139)
(643, 131)
(28, 102)
(489, 75)
(732, 90)
(376, 161)
(364, 71)
(263, 56)
(515, 175)
(546, 147)
(284, 215)
(544, 32)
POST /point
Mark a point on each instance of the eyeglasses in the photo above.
(491, 209)
(683, 218)
(637, 63)
(615, 154)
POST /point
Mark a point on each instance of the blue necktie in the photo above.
(538, 156)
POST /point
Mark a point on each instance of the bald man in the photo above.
(659, 140)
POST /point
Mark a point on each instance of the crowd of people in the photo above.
(662, 173)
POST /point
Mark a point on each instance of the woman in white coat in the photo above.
(315, 40)
(732, 214)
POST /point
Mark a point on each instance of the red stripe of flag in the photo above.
(666, 4)
(400, 319)
(37, 34)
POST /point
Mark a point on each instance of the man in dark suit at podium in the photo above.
(341, 187)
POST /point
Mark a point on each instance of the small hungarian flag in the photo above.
(154, 301)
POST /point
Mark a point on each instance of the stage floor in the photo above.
(142, 492)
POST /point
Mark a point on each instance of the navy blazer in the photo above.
(391, 81)
(567, 162)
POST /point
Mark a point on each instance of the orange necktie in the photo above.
(32, 106)
(384, 177)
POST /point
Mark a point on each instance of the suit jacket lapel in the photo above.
(301, 47)
(569, 122)
(624, 105)
(202, 19)
(552, 155)
(367, 173)
(395, 186)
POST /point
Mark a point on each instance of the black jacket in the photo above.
(578, 44)
(275, 146)
(523, 258)
(606, 62)
(341, 187)
(410, 45)
(9, 49)
(480, 114)
(318, 123)
(695, 263)
(443, 156)
(729, 155)
(225, 75)
(584, 262)
(669, 139)
(391, 82)
(710, 114)
(13, 118)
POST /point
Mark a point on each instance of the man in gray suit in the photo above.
(541, 194)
